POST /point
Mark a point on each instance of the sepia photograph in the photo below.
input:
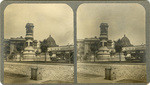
(111, 43)
(38, 44)
(75, 42)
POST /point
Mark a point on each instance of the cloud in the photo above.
(123, 18)
(48, 19)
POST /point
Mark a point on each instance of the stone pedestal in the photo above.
(103, 54)
(28, 54)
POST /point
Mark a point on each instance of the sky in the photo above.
(57, 20)
(48, 19)
(122, 18)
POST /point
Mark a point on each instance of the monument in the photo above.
(29, 53)
(103, 52)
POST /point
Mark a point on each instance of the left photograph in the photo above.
(38, 44)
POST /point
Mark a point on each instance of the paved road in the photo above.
(90, 78)
(82, 78)
(10, 78)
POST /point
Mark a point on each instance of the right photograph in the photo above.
(111, 43)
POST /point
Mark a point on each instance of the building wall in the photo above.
(61, 48)
(80, 50)
(136, 47)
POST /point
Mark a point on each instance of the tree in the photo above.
(37, 53)
(50, 53)
(6, 47)
(71, 58)
(125, 53)
(118, 48)
(12, 55)
(44, 47)
(19, 48)
(85, 57)
(112, 53)
(94, 48)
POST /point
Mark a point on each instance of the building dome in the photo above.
(51, 42)
(125, 41)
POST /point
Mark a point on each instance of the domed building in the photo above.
(125, 41)
(51, 42)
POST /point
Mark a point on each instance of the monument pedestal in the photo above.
(28, 54)
(103, 54)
